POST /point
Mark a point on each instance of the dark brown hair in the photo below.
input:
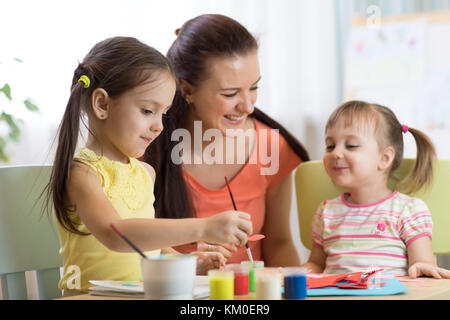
(116, 64)
(199, 39)
(389, 132)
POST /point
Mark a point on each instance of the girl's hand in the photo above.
(225, 249)
(424, 269)
(209, 260)
(229, 227)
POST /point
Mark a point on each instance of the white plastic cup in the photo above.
(267, 284)
(169, 277)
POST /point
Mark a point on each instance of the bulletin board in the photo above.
(404, 64)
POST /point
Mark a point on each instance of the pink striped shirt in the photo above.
(356, 237)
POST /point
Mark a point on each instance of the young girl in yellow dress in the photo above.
(120, 92)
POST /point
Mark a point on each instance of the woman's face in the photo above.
(225, 98)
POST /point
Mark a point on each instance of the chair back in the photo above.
(28, 237)
(313, 186)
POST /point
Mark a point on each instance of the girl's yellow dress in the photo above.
(129, 187)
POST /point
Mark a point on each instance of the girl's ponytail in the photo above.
(67, 142)
(422, 173)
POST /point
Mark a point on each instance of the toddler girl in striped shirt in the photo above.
(372, 225)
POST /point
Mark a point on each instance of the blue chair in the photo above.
(28, 238)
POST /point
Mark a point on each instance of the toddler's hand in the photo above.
(424, 269)
(209, 260)
(225, 249)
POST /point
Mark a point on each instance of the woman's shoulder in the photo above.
(265, 134)
(260, 125)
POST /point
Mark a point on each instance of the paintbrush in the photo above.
(249, 253)
(128, 241)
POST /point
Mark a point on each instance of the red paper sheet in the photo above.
(354, 280)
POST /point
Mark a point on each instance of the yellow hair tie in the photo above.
(85, 79)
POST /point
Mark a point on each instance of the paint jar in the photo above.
(267, 284)
(169, 276)
(251, 272)
(240, 278)
(221, 284)
(295, 282)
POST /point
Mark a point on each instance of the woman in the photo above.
(215, 59)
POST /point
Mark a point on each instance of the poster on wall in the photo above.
(393, 54)
(405, 66)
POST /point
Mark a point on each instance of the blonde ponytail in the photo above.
(422, 173)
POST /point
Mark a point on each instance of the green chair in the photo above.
(28, 238)
(313, 186)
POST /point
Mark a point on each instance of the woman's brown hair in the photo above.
(389, 132)
(199, 39)
(116, 64)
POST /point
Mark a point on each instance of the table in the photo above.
(421, 289)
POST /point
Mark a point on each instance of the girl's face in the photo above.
(353, 158)
(228, 94)
(134, 119)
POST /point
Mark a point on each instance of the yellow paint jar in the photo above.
(221, 285)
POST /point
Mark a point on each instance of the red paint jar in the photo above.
(240, 278)
(240, 284)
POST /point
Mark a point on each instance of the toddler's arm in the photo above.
(316, 261)
(422, 262)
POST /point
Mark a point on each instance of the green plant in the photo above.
(11, 122)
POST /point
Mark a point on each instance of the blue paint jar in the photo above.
(294, 282)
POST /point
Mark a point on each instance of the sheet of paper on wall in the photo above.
(390, 54)
(433, 101)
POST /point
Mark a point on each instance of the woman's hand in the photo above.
(430, 270)
(228, 227)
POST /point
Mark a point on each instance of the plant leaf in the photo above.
(3, 156)
(11, 121)
(30, 105)
(18, 60)
(7, 91)
(14, 133)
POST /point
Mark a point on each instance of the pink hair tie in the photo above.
(405, 128)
